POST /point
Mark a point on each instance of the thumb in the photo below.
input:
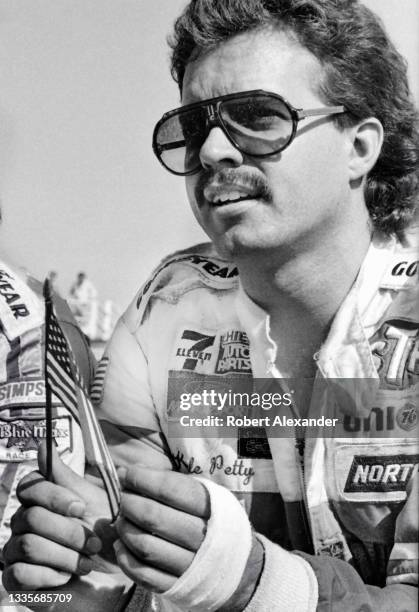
(64, 476)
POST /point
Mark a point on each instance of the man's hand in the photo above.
(162, 524)
(53, 531)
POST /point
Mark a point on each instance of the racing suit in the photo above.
(340, 503)
(22, 389)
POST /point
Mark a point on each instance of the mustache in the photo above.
(255, 182)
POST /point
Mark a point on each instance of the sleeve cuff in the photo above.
(287, 582)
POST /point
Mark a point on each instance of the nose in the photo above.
(217, 150)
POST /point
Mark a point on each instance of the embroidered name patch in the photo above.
(369, 473)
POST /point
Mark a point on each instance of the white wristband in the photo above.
(218, 565)
(287, 582)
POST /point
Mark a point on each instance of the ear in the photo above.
(367, 140)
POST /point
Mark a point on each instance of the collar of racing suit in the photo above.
(346, 352)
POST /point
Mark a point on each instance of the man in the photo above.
(291, 206)
(83, 290)
(22, 388)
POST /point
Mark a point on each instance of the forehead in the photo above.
(269, 59)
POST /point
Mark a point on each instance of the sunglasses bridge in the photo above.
(213, 118)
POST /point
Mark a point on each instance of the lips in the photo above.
(226, 193)
(231, 185)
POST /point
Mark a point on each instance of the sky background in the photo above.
(82, 83)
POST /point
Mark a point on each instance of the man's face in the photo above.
(290, 199)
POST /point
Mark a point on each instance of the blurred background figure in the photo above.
(96, 318)
(84, 305)
(52, 277)
(83, 290)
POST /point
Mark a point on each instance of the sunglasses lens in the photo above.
(259, 124)
(179, 138)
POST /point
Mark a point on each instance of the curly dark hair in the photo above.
(361, 70)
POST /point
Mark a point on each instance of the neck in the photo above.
(302, 288)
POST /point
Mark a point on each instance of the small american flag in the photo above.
(59, 369)
(63, 377)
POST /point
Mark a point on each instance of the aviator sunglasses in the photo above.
(257, 123)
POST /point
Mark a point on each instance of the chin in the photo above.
(236, 245)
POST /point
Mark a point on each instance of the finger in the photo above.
(151, 578)
(63, 475)
(31, 577)
(180, 491)
(69, 532)
(173, 525)
(31, 548)
(34, 490)
(154, 551)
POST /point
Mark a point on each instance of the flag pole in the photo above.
(48, 401)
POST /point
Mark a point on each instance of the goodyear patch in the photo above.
(402, 272)
(218, 272)
(375, 473)
(212, 268)
(20, 309)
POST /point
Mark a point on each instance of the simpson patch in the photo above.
(22, 392)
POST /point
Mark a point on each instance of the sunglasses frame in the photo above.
(215, 120)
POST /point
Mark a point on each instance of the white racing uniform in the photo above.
(341, 503)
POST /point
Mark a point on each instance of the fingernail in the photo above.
(85, 565)
(117, 546)
(93, 545)
(76, 509)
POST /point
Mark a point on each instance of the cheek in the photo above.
(190, 184)
(313, 167)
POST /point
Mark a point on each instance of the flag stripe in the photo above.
(99, 380)
(62, 387)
